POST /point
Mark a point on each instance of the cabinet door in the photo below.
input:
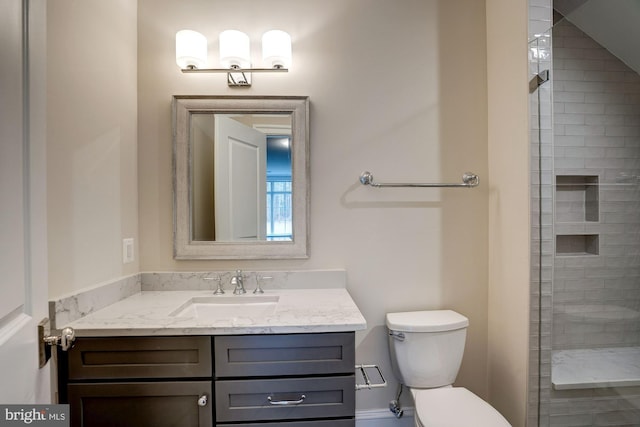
(146, 404)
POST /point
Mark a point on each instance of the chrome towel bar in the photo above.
(469, 180)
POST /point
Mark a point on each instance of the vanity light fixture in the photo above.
(191, 54)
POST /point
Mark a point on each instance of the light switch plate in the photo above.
(127, 251)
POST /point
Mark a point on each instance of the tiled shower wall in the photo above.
(606, 220)
(596, 291)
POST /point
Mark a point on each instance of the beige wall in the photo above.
(508, 207)
(399, 91)
(91, 140)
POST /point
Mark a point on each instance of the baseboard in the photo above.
(384, 418)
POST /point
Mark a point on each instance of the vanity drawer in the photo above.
(248, 400)
(318, 423)
(140, 358)
(277, 355)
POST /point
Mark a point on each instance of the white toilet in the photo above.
(426, 352)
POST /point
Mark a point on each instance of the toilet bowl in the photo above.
(426, 350)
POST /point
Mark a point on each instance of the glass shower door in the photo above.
(595, 369)
(541, 148)
(587, 305)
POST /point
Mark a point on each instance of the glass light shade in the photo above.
(276, 49)
(191, 49)
(234, 49)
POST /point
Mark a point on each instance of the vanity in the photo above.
(178, 358)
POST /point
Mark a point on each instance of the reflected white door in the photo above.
(240, 181)
(23, 272)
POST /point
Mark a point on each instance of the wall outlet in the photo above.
(127, 251)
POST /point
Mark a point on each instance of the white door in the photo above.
(23, 269)
(240, 181)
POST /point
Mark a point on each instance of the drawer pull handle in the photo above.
(286, 402)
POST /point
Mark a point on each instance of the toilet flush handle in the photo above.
(397, 335)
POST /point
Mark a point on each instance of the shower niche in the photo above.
(576, 208)
(577, 198)
(577, 244)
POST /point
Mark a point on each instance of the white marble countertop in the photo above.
(152, 313)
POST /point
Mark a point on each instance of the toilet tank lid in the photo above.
(426, 321)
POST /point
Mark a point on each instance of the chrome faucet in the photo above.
(237, 282)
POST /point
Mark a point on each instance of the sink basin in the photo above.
(227, 307)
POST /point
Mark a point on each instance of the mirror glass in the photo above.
(240, 177)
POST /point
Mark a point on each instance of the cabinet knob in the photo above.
(202, 400)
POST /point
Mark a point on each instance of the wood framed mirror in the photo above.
(241, 177)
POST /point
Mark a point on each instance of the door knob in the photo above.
(46, 340)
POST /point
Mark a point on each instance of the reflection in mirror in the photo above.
(241, 177)
(241, 168)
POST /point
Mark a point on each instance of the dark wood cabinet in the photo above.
(292, 380)
(284, 378)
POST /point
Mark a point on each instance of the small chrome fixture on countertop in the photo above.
(238, 282)
(259, 279)
(469, 180)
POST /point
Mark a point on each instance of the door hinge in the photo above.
(538, 80)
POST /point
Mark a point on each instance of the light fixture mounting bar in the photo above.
(234, 70)
(236, 76)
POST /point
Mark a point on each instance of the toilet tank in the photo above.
(426, 346)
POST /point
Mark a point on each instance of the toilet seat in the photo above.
(454, 407)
